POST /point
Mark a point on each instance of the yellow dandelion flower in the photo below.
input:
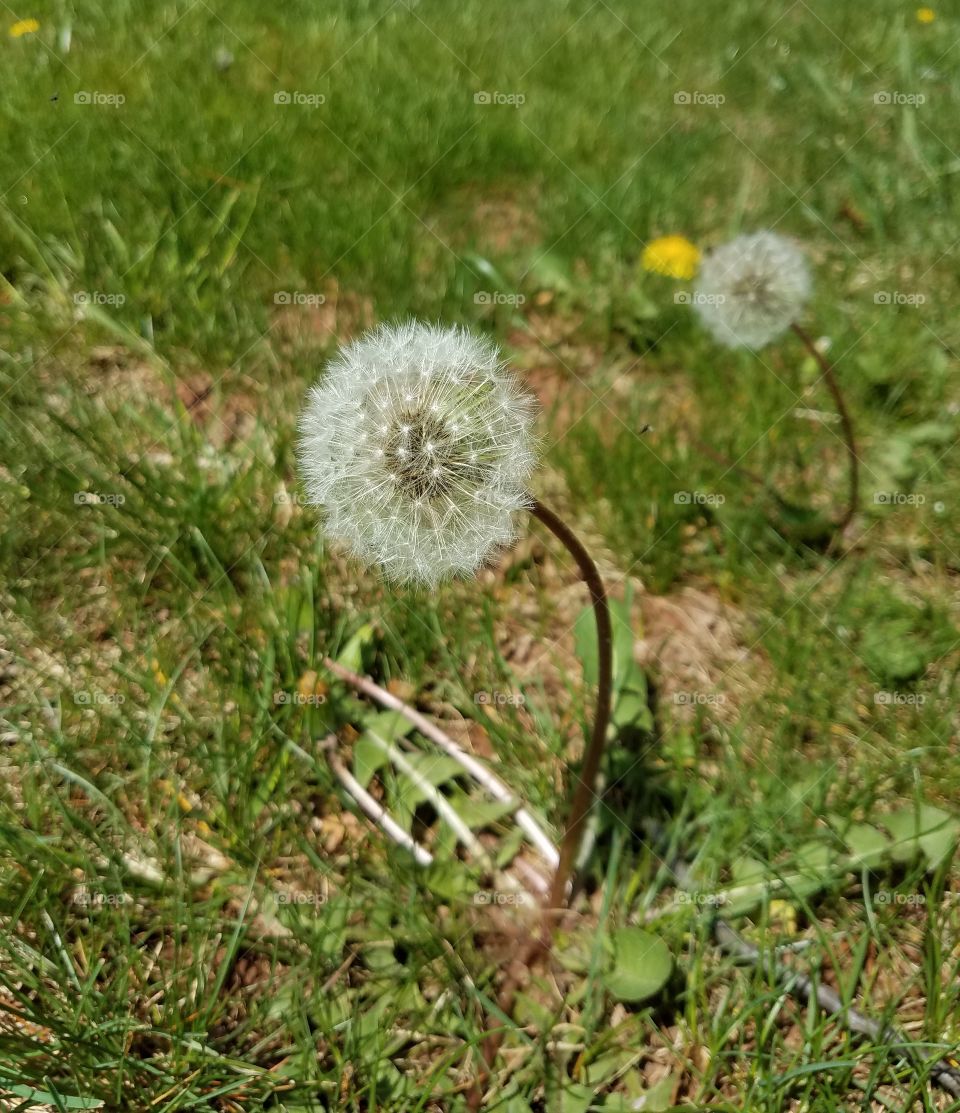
(24, 27)
(926, 15)
(784, 916)
(674, 256)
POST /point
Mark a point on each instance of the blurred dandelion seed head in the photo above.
(752, 289)
(418, 444)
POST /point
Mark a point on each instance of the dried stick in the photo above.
(378, 814)
(382, 818)
(488, 780)
(800, 985)
(440, 803)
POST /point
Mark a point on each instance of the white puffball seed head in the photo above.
(418, 444)
(752, 289)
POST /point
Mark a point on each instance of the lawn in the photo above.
(200, 202)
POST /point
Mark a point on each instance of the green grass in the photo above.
(175, 270)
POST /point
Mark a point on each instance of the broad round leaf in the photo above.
(642, 965)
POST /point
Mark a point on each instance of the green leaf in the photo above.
(802, 523)
(632, 709)
(748, 871)
(868, 846)
(939, 841)
(387, 726)
(927, 829)
(575, 1099)
(449, 880)
(642, 965)
(574, 950)
(631, 704)
(893, 651)
(657, 1099)
(585, 645)
(351, 655)
(477, 812)
(605, 1067)
(368, 757)
(814, 859)
(549, 272)
(484, 269)
(435, 769)
(55, 1098)
(622, 637)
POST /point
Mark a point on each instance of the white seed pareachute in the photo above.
(752, 289)
(418, 445)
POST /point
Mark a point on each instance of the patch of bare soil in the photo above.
(323, 319)
(498, 221)
(692, 643)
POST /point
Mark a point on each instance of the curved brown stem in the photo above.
(583, 793)
(853, 498)
(539, 943)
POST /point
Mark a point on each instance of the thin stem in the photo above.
(583, 793)
(853, 498)
(540, 940)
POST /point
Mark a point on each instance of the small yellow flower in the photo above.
(784, 916)
(926, 15)
(674, 256)
(24, 27)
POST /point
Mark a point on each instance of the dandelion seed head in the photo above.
(751, 289)
(418, 445)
